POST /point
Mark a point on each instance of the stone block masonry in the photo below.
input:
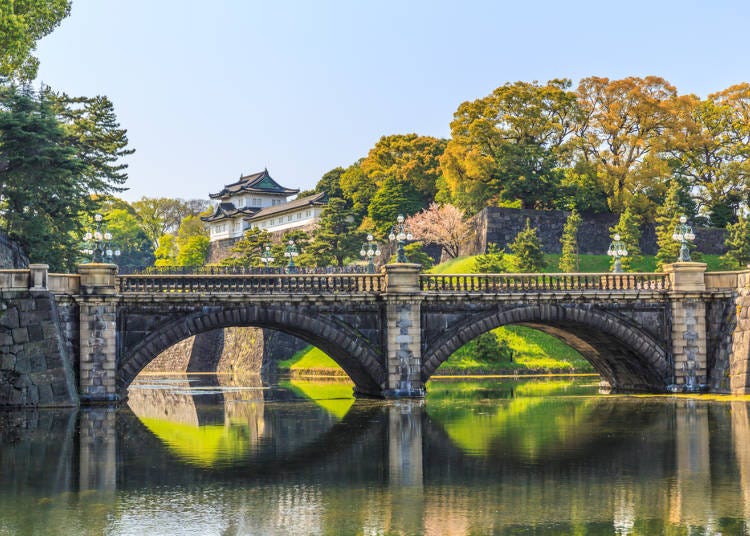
(739, 364)
(36, 368)
(500, 226)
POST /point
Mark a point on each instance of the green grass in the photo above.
(533, 350)
(309, 359)
(588, 263)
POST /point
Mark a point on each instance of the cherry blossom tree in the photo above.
(444, 225)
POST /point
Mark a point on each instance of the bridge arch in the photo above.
(342, 343)
(625, 356)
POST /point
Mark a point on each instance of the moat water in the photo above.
(208, 455)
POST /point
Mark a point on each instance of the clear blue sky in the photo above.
(212, 89)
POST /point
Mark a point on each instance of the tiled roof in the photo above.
(228, 210)
(260, 182)
(310, 200)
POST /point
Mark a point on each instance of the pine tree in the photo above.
(569, 261)
(249, 249)
(738, 244)
(528, 250)
(335, 238)
(492, 262)
(667, 218)
(629, 229)
(41, 194)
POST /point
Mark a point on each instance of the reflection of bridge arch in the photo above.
(362, 430)
(337, 339)
(624, 355)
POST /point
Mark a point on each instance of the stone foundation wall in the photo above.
(721, 321)
(230, 350)
(35, 364)
(739, 365)
(501, 225)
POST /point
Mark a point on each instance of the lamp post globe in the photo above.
(683, 234)
(400, 233)
(617, 250)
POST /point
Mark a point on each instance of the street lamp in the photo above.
(369, 251)
(291, 252)
(400, 234)
(97, 243)
(617, 250)
(683, 234)
(266, 257)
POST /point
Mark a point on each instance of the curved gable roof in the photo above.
(260, 182)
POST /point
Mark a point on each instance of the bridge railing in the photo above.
(253, 284)
(544, 282)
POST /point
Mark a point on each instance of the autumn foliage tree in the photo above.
(443, 225)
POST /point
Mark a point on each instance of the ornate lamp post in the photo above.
(291, 252)
(683, 234)
(400, 234)
(369, 251)
(266, 257)
(617, 250)
(97, 243)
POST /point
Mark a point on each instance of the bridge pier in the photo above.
(689, 347)
(98, 334)
(403, 352)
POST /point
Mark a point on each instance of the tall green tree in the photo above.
(22, 24)
(738, 244)
(569, 260)
(391, 199)
(527, 247)
(92, 129)
(629, 229)
(335, 240)
(509, 145)
(622, 132)
(667, 218)
(41, 194)
(166, 253)
(192, 242)
(127, 235)
(357, 188)
(330, 183)
(710, 150)
(408, 158)
(159, 216)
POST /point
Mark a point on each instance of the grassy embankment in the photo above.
(533, 350)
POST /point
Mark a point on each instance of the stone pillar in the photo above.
(98, 342)
(739, 360)
(38, 279)
(689, 348)
(403, 331)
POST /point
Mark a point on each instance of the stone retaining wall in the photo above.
(35, 364)
(739, 378)
(501, 225)
(229, 350)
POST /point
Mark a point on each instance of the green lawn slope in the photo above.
(588, 264)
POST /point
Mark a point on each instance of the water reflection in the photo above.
(216, 455)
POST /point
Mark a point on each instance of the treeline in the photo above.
(634, 147)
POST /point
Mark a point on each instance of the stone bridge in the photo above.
(684, 329)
